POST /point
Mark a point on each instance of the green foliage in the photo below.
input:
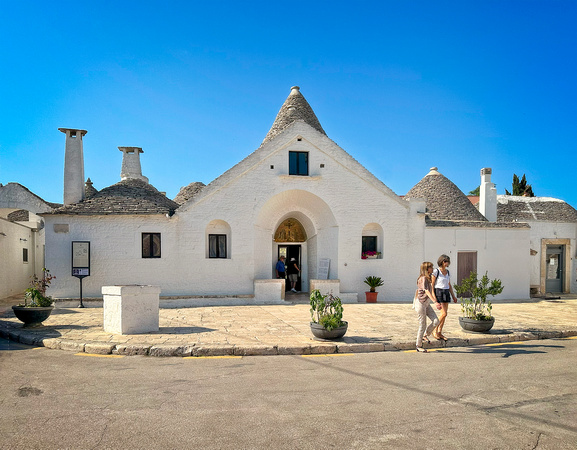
(326, 310)
(373, 282)
(520, 187)
(476, 191)
(473, 294)
(35, 296)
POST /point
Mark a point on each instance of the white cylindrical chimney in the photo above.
(73, 166)
(488, 196)
(131, 164)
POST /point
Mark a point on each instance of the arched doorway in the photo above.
(290, 236)
(320, 234)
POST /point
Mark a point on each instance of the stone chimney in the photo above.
(488, 196)
(131, 164)
(73, 166)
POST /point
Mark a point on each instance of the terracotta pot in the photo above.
(371, 297)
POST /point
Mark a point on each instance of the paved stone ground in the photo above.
(284, 329)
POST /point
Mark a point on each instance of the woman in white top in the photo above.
(441, 279)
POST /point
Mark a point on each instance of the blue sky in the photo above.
(400, 85)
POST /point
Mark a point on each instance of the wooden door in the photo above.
(466, 263)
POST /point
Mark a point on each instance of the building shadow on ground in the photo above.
(184, 330)
(505, 350)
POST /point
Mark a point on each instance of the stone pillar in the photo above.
(131, 164)
(131, 309)
(73, 166)
(488, 196)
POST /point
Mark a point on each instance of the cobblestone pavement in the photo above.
(284, 329)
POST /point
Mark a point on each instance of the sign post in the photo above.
(80, 262)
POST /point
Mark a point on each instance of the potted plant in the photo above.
(476, 309)
(327, 316)
(370, 255)
(37, 306)
(373, 283)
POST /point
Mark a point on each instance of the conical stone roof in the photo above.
(129, 196)
(187, 192)
(294, 108)
(445, 201)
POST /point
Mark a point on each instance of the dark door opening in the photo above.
(554, 269)
(289, 252)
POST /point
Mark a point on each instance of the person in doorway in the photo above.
(293, 274)
(280, 268)
(443, 290)
(422, 304)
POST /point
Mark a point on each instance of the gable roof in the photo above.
(290, 125)
(294, 108)
(131, 196)
(444, 200)
(512, 208)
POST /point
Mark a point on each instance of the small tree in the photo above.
(476, 191)
(473, 294)
(520, 187)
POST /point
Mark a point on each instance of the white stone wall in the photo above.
(503, 253)
(15, 274)
(115, 252)
(553, 230)
(334, 204)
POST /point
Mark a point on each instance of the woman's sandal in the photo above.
(440, 337)
(421, 350)
(426, 339)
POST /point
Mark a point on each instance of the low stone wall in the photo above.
(269, 291)
(334, 287)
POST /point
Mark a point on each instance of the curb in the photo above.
(204, 350)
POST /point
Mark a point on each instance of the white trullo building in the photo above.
(300, 195)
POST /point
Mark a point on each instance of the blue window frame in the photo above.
(298, 163)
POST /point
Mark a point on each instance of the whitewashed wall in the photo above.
(503, 253)
(334, 204)
(15, 274)
(553, 230)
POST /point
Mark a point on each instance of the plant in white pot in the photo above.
(477, 311)
(37, 306)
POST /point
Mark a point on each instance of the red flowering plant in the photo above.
(366, 254)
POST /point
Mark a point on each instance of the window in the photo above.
(151, 245)
(217, 245)
(369, 244)
(298, 163)
(25, 255)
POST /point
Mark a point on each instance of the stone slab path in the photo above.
(284, 329)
